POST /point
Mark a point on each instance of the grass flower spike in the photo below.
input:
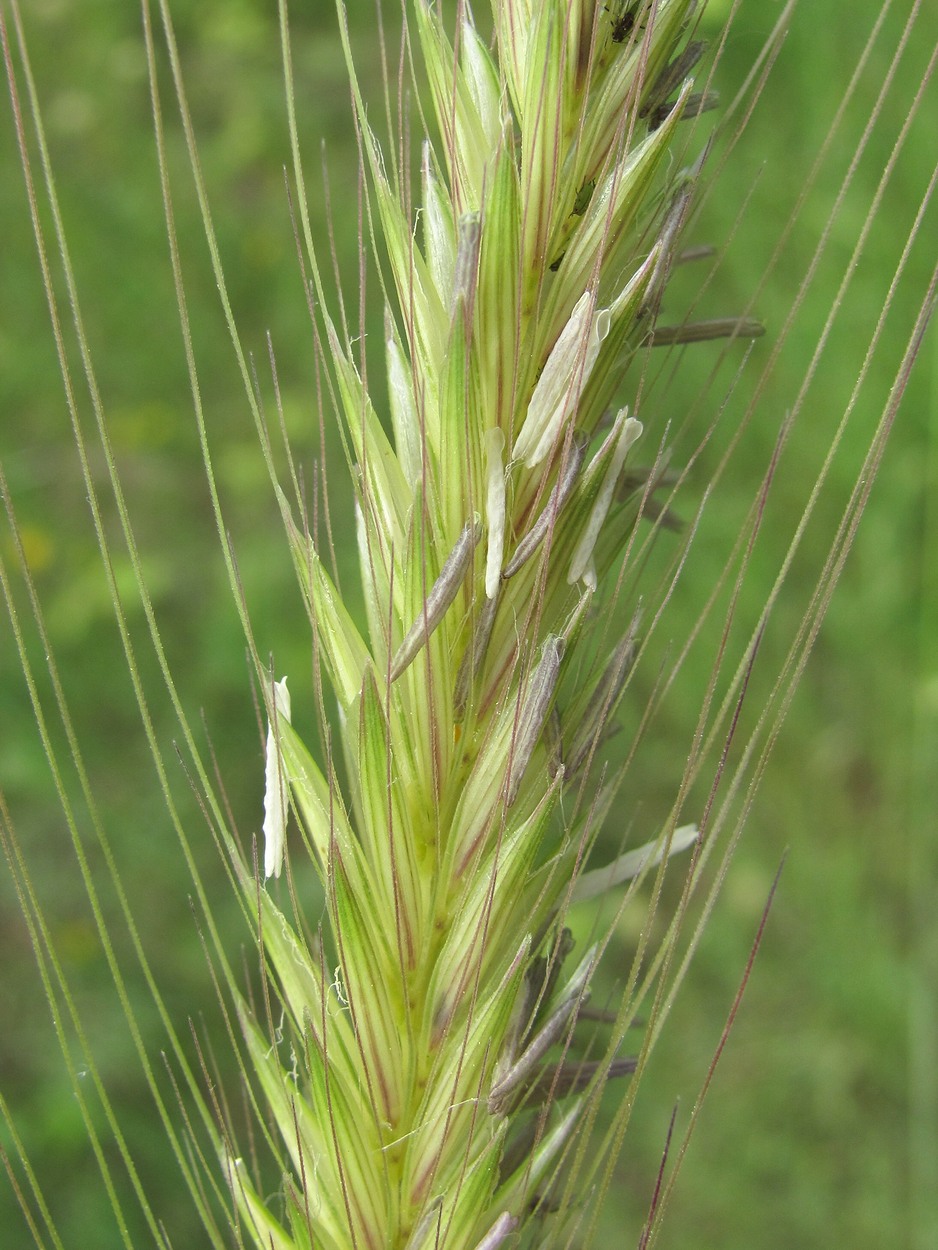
(415, 1100)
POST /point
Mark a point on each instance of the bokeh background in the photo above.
(822, 1122)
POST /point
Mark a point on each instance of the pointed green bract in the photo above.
(344, 651)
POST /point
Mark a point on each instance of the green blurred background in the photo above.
(821, 1123)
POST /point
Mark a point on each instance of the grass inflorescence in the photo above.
(445, 1071)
